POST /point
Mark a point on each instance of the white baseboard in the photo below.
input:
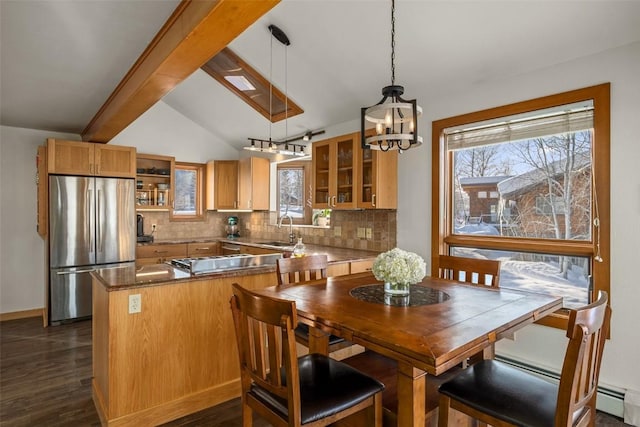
(632, 407)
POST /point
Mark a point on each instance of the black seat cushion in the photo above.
(505, 393)
(327, 386)
(302, 331)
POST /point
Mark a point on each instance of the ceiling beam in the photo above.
(195, 32)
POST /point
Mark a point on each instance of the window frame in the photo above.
(199, 168)
(442, 236)
(307, 219)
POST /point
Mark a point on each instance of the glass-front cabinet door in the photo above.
(320, 160)
(334, 172)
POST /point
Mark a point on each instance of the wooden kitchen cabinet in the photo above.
(253, 186)
(177, 356)
(361, 266)
(203, 249)
(154, 182)
(377, 179)
(159, 253)
(222, 184)
(334, 165)
(87, 158)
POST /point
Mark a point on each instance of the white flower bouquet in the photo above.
(399, 267)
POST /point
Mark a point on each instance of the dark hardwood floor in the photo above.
(45, 380)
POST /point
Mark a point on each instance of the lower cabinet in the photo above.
(159, 253)
(203, 249)
(175, 357)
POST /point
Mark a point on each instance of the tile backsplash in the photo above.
(343, 231)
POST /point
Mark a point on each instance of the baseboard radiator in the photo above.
(609, 401)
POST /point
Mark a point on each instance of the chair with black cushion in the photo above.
(313, 390)
(476, 271)
(501, 395)
(297, 271)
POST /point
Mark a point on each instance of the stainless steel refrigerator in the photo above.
(92, 225)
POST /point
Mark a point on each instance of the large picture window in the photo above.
(545, 165)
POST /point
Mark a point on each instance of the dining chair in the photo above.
(313, 390)
(496, 393)
(471, 270)
(304, 269)
(478, 272)
(298, 271)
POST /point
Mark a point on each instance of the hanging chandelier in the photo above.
(395, 119)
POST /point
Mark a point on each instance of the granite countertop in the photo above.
(334, 254)
(158, 274)
(183, 240)
(119, 278)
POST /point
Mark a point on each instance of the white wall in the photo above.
(22, 269)
(162, 130)
(540, 345)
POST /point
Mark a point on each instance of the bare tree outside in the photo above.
(542, 190)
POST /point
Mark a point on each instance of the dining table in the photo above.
(438, 326)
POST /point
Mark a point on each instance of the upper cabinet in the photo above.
(334, 172)
(154, 182)
(377, 179)
(253, 186)
(86, 158)
(222, 184)
(347, 177)
(238, 184)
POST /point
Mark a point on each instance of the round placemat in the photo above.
(418, 295)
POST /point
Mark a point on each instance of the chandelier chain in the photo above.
(393, 42)
(270, 82)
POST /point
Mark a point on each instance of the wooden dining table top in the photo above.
(432, 337)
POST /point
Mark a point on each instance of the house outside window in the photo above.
(548, 162)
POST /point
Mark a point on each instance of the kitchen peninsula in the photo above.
(163, 339)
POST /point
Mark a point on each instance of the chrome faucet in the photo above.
(292, 237)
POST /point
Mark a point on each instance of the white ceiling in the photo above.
(61, 59)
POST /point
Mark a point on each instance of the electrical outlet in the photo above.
(361, 233)
(369, 233)
(337, 231)
(153, 227)
(135, 303)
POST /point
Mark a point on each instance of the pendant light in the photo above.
(395, 119)
(278, 147)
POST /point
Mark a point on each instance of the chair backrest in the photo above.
(587, 331)
(476, 271)
(304, 269)
(266, 345)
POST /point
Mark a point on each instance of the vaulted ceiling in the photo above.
(61, 60)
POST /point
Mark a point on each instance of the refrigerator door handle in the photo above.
(99, 221)
(64, 273)
(89, 224)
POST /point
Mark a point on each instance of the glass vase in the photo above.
(396, 289)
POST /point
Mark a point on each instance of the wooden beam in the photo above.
(194, 33)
